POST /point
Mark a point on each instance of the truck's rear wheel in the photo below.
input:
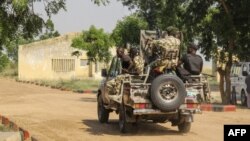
(168, 92)
(103, 114)
(184, 127)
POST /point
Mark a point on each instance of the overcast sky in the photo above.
(81, 14)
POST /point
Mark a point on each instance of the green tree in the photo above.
(216, 24)
(97, 44)
(224, 25)
(128, 30)
(12, 50)
(11, 47)
(101, 2)
(4, 61)
(49, 30)
(157, 13)
(18, 20)
(18, 17)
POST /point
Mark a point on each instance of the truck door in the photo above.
(232, 76)
(249, 68)
(235, 71)
(113, 71)
(238, 79)
(242, 78)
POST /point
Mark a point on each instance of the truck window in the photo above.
(236, 70)
(244, 68)
(114, 67)
(232, 70)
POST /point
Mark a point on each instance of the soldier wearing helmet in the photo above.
(164, 48)
(138, 61)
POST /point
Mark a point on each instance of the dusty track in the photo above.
(53, 115)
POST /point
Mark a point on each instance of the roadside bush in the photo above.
(10, 70)
(4, 61)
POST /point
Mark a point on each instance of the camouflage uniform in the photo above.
(138, 64)
(168, 42)
(167, 50)
(114, 85)
(110, 85)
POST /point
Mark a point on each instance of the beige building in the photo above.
(52, 59)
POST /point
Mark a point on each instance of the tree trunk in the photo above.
(225, 81)
(222, 81)
(90, 69)
(228, 70)
(96, 67)
(228, 83)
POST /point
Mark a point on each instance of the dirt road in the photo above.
(53, 115)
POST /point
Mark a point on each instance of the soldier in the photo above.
(126, 61)
(192, 63)
(126, 64)
(161, 48)
(138, 61)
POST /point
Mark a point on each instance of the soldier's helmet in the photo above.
(172, 31)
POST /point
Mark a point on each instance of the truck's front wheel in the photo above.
(184, 127)
(122, 119)
(103, 114)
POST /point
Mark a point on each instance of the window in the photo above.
(244, 68)
(236, 70)
(83, 62)
(115, 67)
(63, 65)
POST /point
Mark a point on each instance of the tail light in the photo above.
(142, 106)
(191, 103)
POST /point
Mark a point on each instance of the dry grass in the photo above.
(3, 128)
(207, 70)
(10, 71)
(87, 84)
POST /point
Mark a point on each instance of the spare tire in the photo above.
(168, 92)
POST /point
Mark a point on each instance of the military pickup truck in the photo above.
(141, 98)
